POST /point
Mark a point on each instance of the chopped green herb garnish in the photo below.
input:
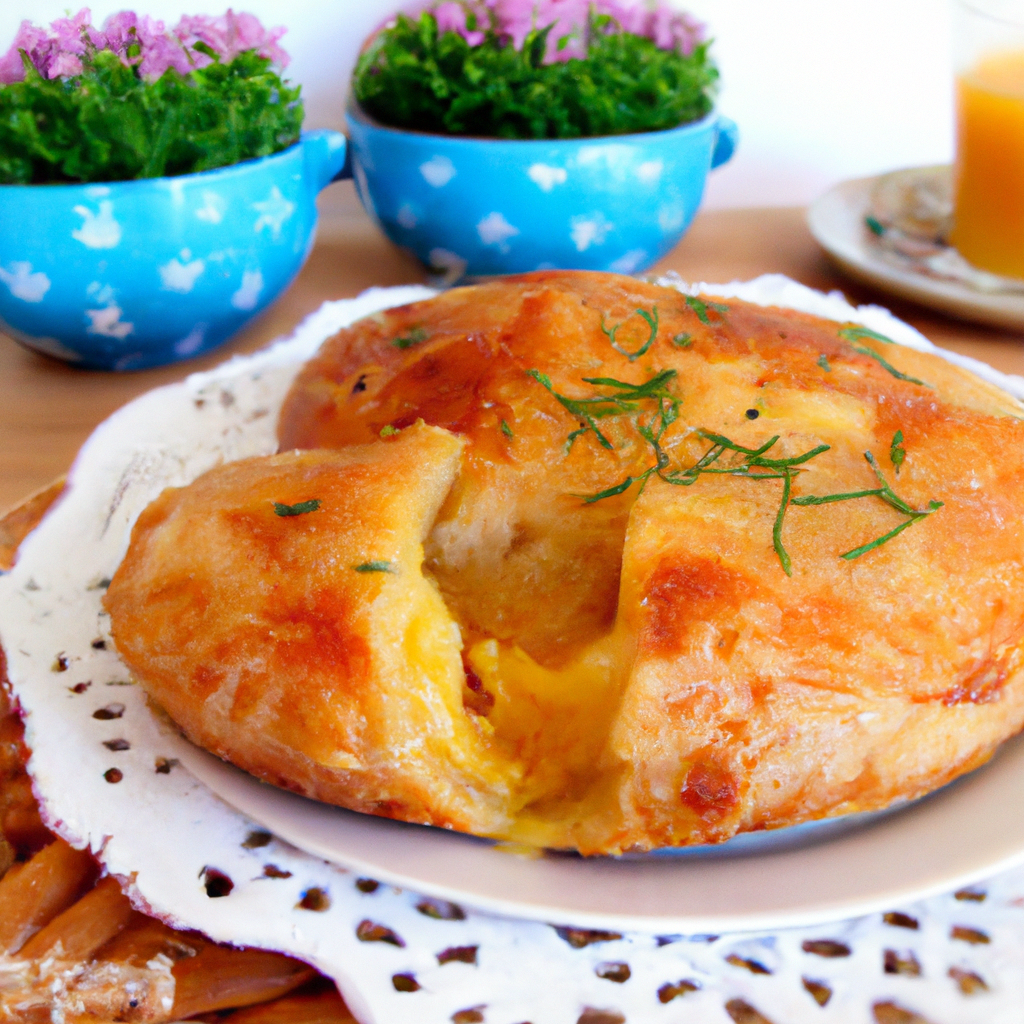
(754, 467)
(296, 510)
(858, 333)
(623, 402)
(625, 399)
(897, 453)
(824, 363)
(855, 334)
(755, 456)
(414, 337)
(611, 492)
(389, 431)
(828, 499)
(864, 351)
(700, 307)
(506, 430)
(652, 388)
(755, 463)
(376, 566)
(682, 340)
(580, 409)
(877, 542)
(884, 491)
(875, 226)
(887, 494)
(780, 551)
(652, 323)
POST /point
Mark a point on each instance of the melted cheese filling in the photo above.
(554, 723)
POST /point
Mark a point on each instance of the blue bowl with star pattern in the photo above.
(131, 274)
(476, 207)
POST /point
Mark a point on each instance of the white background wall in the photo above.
(822, 89)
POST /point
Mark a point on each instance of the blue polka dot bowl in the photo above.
(473, 207)
(131, 274)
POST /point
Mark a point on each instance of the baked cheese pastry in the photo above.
(583, 562)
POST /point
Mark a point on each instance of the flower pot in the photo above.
(130, 274)
(477, 206)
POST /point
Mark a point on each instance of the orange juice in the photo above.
(989, 175)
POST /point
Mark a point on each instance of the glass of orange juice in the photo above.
(988, 225)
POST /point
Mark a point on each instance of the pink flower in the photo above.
(123, 31)
(666, 28)
(52, 53)
(451, 17)
(140, 42)
(514, 20)
(199, 28)
(154, 49)
(12, 68)
(161, 51)
(119, 31)
(232, 34)
(64, 65)
(68, 32)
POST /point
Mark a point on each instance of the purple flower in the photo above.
(232, 34)
(12, 68)
(199, 28)
(666, 28)
(160, 50)
(54, 54)
(68, 34)
(146, 44)
(140, 42)
(514, 20)
(569, 20)
(119, 31)
(451, 17)
(64, 65)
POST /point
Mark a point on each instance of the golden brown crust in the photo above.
(308, 648)
(642, 669)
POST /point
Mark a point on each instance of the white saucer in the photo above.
(836, 220)
(952, 839)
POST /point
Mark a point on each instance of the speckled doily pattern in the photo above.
(108, 775)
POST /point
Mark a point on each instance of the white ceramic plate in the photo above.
(965, 832)
(836, 220)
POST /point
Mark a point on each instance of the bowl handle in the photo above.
(327, 157)
(725, 143)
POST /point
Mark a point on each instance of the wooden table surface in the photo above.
(47, 409)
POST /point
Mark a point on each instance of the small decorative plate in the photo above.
(889, 231)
